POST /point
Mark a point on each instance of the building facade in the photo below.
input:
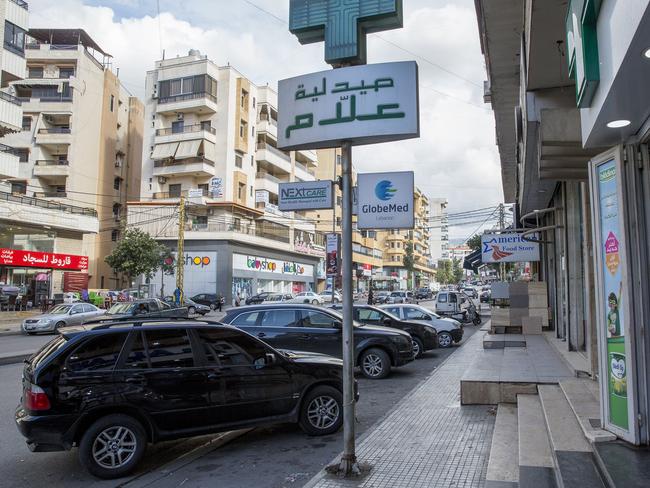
(79, 151)
(575, 160)
(439, 229)
(210, 137)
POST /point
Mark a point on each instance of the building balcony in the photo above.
(9, 162)
(202, 102)
(273, 156)
(186, 133)
(269, 127)
(54, 136)
(11, 114)
(268, 182)
(308, 156)
(184, 167)
(51, 168)
(303, 173)
(50, 194)
(29, 210)
(54, 105)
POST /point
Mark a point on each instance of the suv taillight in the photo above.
(35, 398)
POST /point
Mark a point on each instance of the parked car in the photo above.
(449, 330)
(381, 297)
(401, 297)
(147, 308)
(308, 328)
(259, 298)
(327, 297)
(308, 297)
(278, 298)
(60, 316)
(208, 299)
(423, 294)
(486, 296)
(110, 389)
(424, 336)
(193, 308)
(470, 291)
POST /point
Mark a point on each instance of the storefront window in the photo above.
(242, 287)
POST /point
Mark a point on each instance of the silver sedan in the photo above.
(60, 316)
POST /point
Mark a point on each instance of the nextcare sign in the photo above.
(364, 104)
(306, 195)
(508, 248)
(385, 200)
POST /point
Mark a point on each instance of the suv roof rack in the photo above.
(108, 323)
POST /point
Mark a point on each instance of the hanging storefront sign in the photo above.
(269, 265)
(582, 48)
(262, 196)
(35, 259)
(385, 200)
(216, 187)
(508, 248)
(306, 195)
(332, 254)
(364, 104)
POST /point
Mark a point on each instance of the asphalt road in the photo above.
(280, 456)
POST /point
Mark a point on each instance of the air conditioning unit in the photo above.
(162, 180)
(179, 116)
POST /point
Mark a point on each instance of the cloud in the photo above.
(455, 157)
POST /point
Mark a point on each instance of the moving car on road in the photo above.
(401, 297)
(381, 297)
(300, 327)
(423, 294)
(424, 336)
(449, 330)
(60, 316)
(110, 389)
(327, 297)
(209, 299)
(278, 298)
(308, 297)
(259, 298)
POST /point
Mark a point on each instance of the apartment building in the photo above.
(79, 152)
(366, 251)
(439, 228)
(210, 137)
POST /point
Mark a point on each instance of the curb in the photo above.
(10, 332)
(158, 474)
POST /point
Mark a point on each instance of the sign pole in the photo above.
(349, 464)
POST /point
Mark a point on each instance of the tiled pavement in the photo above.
(428, 440)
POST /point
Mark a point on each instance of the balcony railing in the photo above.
(186, 130)
(10, 98)
(270, 177)
(161, 163)
(55, 130)
(51, 194)
(10, 150)
(187, 96)
(274, 150)
(305, 169)
(164, 195)
(52, 162)
(25, 200)
(269, 120)
(22, 4)
(46, 99)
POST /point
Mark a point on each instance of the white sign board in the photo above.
(216, 187)
(261, 196)
(268, 265)
(199, 271)
(508, 248)
(194, 193)
(306, 195)
(364, 104)
(385, 200)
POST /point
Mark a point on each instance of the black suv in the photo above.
(309, 328)
(145, 308)
(259, 298)
(424, 336)
(112, 388)
(211, 300)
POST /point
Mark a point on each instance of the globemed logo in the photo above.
(384, 190)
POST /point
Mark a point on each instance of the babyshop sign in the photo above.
(508, 248)
(266, 265)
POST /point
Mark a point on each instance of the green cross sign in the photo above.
(343, 25)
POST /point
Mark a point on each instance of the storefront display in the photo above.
(254, 274)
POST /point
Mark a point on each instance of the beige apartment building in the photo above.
(210, 137)
(79, 151)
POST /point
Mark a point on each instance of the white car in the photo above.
(308, 297)
(327, 297)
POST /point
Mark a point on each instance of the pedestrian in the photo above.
(371, 297)
(220, 301)
(237, 300)
(177, 297)
(84, 295)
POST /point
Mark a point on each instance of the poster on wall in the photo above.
(332, 246)
(613, 293)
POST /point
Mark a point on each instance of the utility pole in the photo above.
(180, 261)
(334, 220)
(502, 224)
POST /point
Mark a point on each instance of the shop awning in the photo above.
(164, 151)
(209, 151)
(188, 149)
(473, 261)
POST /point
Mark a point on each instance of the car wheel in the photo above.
(418, 347)
(58, 325)
(445, 340)
(314, 302)
(213, 306)
(321, 412)
(191, 310)
(375, 364)
(112, 446)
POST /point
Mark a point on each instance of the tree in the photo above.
(409, 260)
(457, 271)
(443, 274)
(474, 242)
(137, 254)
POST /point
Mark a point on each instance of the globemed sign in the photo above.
(385, 200)
(508, 248)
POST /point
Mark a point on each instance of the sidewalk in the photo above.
(428, 439)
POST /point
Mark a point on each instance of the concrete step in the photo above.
(572, 455)
(503, 468)
(536, 468)
(499, 341)
(586, 408)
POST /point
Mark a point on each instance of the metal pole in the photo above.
(334, 223)
(349, 464)
(180, 251)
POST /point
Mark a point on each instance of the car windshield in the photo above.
(60, 310)
(429, 311)
(120, 308)
(383, 311)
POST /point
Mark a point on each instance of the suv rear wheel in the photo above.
(112, 446)
(374, 363)
(418, 347)
(321, 412)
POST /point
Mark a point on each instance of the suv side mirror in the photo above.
(338, 325)
(387, 321)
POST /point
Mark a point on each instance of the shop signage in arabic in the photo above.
(35, 259)
(364, 104)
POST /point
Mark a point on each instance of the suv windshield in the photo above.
(60, 310)
(120, 308)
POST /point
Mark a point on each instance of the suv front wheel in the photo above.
(321, 412)
(112, 446)
(374, 363)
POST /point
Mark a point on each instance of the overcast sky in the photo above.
(455, 157)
